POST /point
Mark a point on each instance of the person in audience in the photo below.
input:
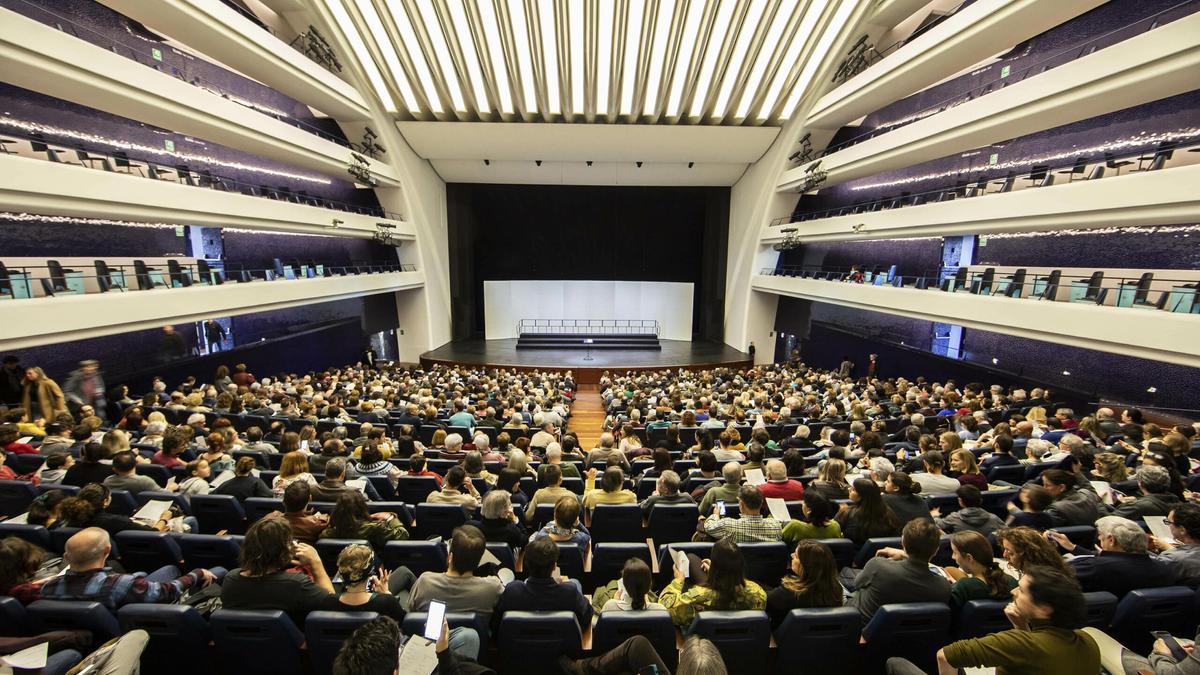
(901, 494)
(244, 483)
(41, 397)
(1110, 468)
(8, 441)
(819, 520)
(365, 589)
(978, 575)
(451, 492)
(932, 480)
(334, 484)
(508, 481)
(124, 476)
(831, 479)
(718, 583)
(611, 491)
(453, 449)
(293, 468)
(633, 591)
(1154, 482)
(542, 591)
(88, 579)
(24, 567)
(89, 468)
(417, 466)
(566, 526)
(729, 447)
(330, 449)
(554, 456)
(778, 485)
(196, 483)
(750, 526)
(473, 465)
(1029, 508)
(970, 516)
(1046, 613)
(498, 522)
(1122, 563)
(726, 492)
(255, 442)
(963, 462)
(1183, 555)
(1001, 455)
(351, 519)
(519, 462)
(666, 492)
(631, 444)
(275, 571)
(1071, 505)
(306, 525)
(551, 493)
(811, 581)
(1025, 547)
(606, 454)
(168, 455)
(895, 575)
(458, 586)
(374, 648)
(868, 516)
(89, 509)
(56, 467)
(662, 462)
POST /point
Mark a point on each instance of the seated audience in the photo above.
(306, 525)
(124, 476)
(901, 494)
(811, 581)
(831, 479)
(244, 483)
(606, 454)
(666, 491)
(778, 485)
(417, 466)
(1071, 505)
(1025, 547)
(1183, 554)
(718, 583)
(173, 445)
(1154, 482)
(334, 484)
(611, 491)
(868, 516)
(632, 592)
(452, 490)
(1029, 508)
(554, 455)
(726, 491)
(89, 468)
(970, 515)
(1122, 562)
(566, 526)
(932, 480)
(749, 526)
(293, 468)
(896, 575)
(196, 482)
(498, 522)
(276, 572)
(819, 522)
(978, 576)
(352, 520)
(363, 588)
(458, 586)
(542, 591)
(89, 509)
(963, 463)
(552, 492)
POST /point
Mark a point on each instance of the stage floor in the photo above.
(674, 354)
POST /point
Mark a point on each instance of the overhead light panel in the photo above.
(721, 27)
(737, 58)
(774, 35)
(495, 45)
(379, 34)
(575, 12)
(633, 39)
(795, 48)
(658, 55)
(818, 55)
(466, 42)
(346, 24)
(604, 55)
(409, 35)
(433, 28)
(545, 12)
(687, 49)
(523, 52)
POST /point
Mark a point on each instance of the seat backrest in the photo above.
(766, 561)
(418, 556)
(148, 551)
(981, 617)
(439, 519)
(49, 615)
(617, 522)
(742, 636)
(873, 545)
(325, 632)
(258, 507)
(330, 549)
(1149, 609)
(14, 621)
(414, 489)
(570, 559)
(256, 641)
(34, 534)
(608, 558)
(613, 628)
(219, 512)
(843, 551)
(914, 630)
(670, 523)
(210, 550)
(179, 637)
(819, 640)
(546, 634)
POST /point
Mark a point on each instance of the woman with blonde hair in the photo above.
(1110, 467)
(1025, 547)
(294, 468)
(42, 398)
(363, 588)
(949, 441)
(831, 480)
(963, 462)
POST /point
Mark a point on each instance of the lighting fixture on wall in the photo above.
(538, 162)
(691, 164)
(1066, 372)
(487, 162)
(639, 165)
(857, 228)
(337, 223)
(370, 145)
(383, 234)
(315, 47)
(995, 360)
(1151, 390)
(589, 162)
(360, 169)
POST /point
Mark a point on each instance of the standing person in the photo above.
(369, 356)
(750, 350)
(11, 388)
(85, 386)
(241, 376)
(42, 398)
(872, 365)
(845, 367)
(214, 334)
(173, 345)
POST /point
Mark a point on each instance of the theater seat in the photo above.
(542, 514)
(1080, 535)
(148, 551)
(418, 556)
(259, 507)
(616, 523)
(744, 638)
(219, 512)
(48, 615)
(414, 624)
(670, 523)
(179, 637)
(913, 630)
(34, 534)
(326, 631)
(871, 546)
(613, 628)
(570, 560)
(981, 617)
(547, 635)
(414, 489)
(609, 558)
(665, 565)
(842, 549)
(1100, 607)
(1013, 474)
(438, 520)
(503, 553)
(210, 550)
(1149, 609)
(766, 561)
(256, 641)
(819, 640)
(14, 620)
(15, 497)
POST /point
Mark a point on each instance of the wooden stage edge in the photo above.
(503, 354)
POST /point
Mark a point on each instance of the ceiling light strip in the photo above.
(489, 44)
(603, 56)
(729, 45)
(391, 59)
(666, 32)
(511, 15)
(431, 34)
(575, 38)
(426, 71)
(791, 39)
(821, 55)
(463, 38)
(548, 40)
(716, 35)
(688, 55)
(770, 29)
(644, 53)
(354, 38)
(807, 36)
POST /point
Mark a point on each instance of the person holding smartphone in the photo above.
(365, 589)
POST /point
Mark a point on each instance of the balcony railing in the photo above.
(39, 145)
(151, 57)
(1030, 175)
(1097, 288)
(588, 326)
(51, 279)
(1006, 76)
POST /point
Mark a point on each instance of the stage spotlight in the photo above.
(538, 162)
(691, 164)
(487, 162)
(639, 165)
(589, 162)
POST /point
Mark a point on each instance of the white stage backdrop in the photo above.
(507, 302)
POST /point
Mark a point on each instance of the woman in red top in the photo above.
(8, 441)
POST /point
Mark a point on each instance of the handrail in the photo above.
(990, 281)
(576, 326)
(149, 60)
(112, 161)
(1006, 77)
(1034, 170)
(138, 276)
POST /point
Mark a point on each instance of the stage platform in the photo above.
(504, 354)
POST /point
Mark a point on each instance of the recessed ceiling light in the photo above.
(346, 24)
(633, 39)
(409, 35)
(657, 62)
(495, 49)
(545, 13)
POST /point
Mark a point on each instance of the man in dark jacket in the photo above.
(970, 514)
(1122, 562)
(11, 374)
(542, 591)
(1071, 506)
(1156, 498)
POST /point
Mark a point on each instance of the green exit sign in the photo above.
(1005, 71)
(993, 158)
(983, 240)
(156, 53)
(169, 144)
(179, 231)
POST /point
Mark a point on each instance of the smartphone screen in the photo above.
(1172, 644)
(433, 624)
(720, 508)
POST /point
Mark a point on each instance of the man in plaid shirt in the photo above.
(89, 580)
(751, 526)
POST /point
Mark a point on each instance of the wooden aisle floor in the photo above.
(587, 416)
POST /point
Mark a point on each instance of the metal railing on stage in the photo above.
(589, 326)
